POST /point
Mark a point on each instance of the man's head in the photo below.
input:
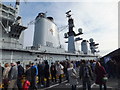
(27, 66)
(18, 62)
(52, 63)
(46, 62)
(83, 61)
(32, 64)
(13, 64)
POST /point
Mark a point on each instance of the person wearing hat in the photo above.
(53, 72)
(20, 75)
(47, 73)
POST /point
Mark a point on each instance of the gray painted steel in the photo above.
(26, 56)
(84, 46)
(45, 39)
(8, 15)
(71, 44)
(46, 33)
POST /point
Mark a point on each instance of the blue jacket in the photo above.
(36, 69)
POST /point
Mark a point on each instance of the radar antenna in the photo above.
(68, 14)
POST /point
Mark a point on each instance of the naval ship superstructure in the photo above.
(46, 43)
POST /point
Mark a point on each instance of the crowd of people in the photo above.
(85, 70)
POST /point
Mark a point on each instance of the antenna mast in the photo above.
(17, 7)
(71, 34)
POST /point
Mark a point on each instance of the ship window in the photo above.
(17, 31)
(4, 7)
(17, 36)
(38, 56)
(12, 35)
(11, 16)
(4, 13)
(11, 10)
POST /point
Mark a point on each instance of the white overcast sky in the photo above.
(97, 18)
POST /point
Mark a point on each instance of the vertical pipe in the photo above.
(1, 35)
(11, 56)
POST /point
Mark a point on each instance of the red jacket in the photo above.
(100, 73)
(26, 85)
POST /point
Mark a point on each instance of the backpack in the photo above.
(20, 70)
(86, 73)
(73, 74)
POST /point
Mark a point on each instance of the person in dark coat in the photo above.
(34, 73)
(100, 73)
(46, 73)
(86, 75)
(41, 73)
(53, 72)
(20, 74)
(28, 73)
(66, 65)
(118, 73)
(118, 69)
(26, 84)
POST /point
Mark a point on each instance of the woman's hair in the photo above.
(98, 64)
(70, 65)
(6, 65)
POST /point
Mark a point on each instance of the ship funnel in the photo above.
(84, 46)
(46, 33)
